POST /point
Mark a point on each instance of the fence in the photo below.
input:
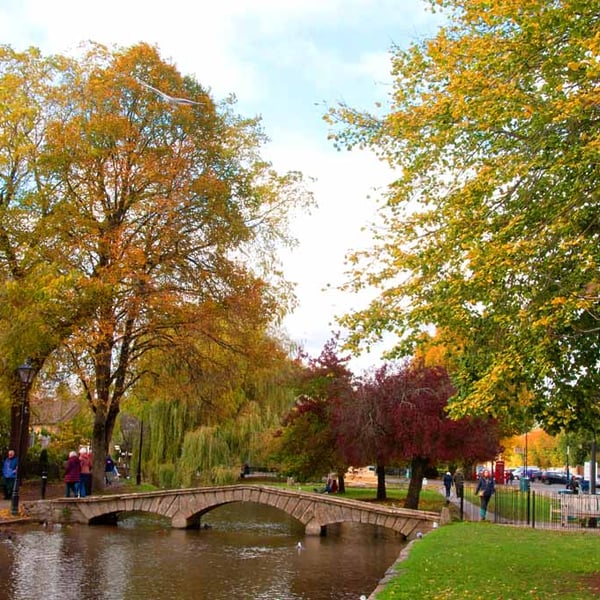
(536, 508)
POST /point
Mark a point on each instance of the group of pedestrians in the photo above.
(458, 480)
(78, 474)
(484, 490)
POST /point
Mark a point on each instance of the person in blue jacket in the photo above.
(9, 473)
(485, 489)
(109, 470)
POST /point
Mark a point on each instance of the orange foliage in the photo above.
(542, 450)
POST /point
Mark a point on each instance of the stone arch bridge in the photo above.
(185, 508)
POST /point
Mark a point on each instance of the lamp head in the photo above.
(26, 372)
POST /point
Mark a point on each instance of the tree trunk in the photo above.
(101, 439)
(381, 492)
(417, 472)
(341, 482)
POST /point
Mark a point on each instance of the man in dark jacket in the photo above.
(448, 484)
(459, 483)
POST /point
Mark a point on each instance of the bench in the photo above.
(580, 508)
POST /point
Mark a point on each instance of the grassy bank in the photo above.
(471, 561)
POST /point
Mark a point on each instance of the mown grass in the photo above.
(430, 499)
(471, 561)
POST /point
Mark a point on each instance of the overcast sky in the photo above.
(287, 61)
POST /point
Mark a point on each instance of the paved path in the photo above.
(470, 510)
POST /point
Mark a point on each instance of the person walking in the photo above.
(448, 485)
(85, 483)
(459, 483)
(9, 473)
(72, 475)
(485, 489)
(109, 470)
(573, 485)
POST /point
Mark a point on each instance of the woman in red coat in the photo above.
(72, 475)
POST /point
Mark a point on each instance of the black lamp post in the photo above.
(568, 458)
(138, 478)
(26, 373)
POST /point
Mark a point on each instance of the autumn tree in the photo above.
(38, 308)
(491, 231)
(162, 217)
(400, 415)
(365, 433)
(306, 443)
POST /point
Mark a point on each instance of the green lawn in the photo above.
(498, 562)
(395, 493)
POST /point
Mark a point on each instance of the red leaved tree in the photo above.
(399, 414)
(365, 433)
(306, 444)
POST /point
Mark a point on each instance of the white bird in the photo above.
(166, 97)
(299, 546)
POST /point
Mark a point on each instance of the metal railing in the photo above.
(527, 507)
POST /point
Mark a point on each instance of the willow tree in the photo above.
(164, 215)
(491, 231)
(201, 426)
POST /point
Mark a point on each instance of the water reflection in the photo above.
(247, 551)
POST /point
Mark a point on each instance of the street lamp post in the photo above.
(568, 459)
(26, 373)
(138, 478)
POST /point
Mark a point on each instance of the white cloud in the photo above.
(347, 189)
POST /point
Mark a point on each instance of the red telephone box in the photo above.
(499, 473)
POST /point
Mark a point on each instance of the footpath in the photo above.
(470, 511)
(32, 490)
(29, 490)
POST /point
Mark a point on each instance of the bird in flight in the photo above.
(166, 97)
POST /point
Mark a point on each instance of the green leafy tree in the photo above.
(491, 231)
(37, 308)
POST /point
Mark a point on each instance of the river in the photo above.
(243, 551)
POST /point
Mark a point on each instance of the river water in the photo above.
(243, 551)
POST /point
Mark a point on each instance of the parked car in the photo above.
(551, 476)
(532, 472)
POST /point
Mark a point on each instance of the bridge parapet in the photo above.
(185, 508)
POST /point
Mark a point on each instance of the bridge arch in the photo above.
(184, 508)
